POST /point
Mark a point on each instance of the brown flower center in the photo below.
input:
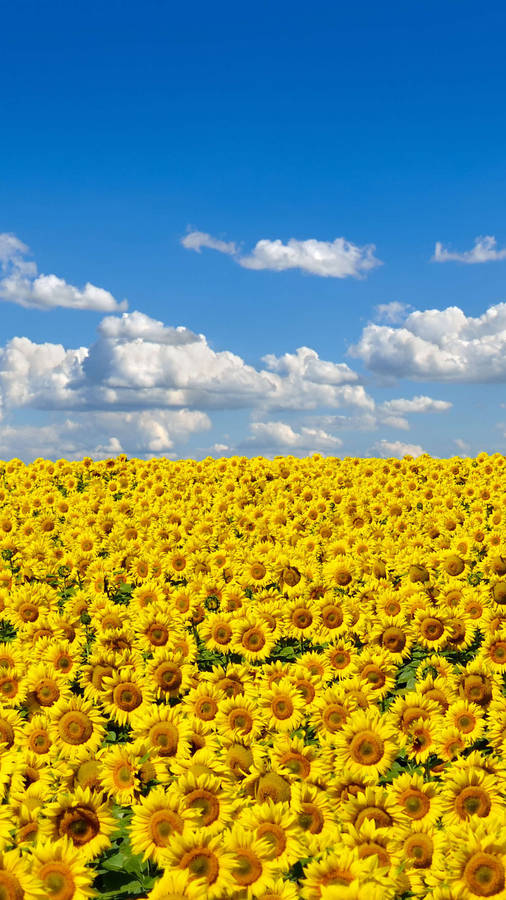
(472, 801)
(163, 824)
(57, 880)
(80, 824)
(366, 748)
(164, 737)
(75, 727)
(484, 874)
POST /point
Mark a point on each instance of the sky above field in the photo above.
(252, 229)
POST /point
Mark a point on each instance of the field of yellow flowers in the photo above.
(251, 678)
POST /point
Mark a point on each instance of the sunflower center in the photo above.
(127, 696)
(6, 733)
(472, 801)
(394, 639)
(275, 836)
(498, 652)
(163, 824)
(419, 849)
(239, 759)
(367, 748)
(311, 818)
(47, 692)
(206, 708)
(253, 639)
(371, 848)
(484, 874)
(258, 571)
(124, 776)
(379, 816)
(282, 707)
(332, 617)
(222, 633)
(301, 617)
(432, 628)
(248, 868)
(206, 804)
(273, 787)
(10, 888)
(75, 727)
(202, 863)
(39, 741)
(168, 676)
(240, 719)
(416, 804)
(80, 823)
(157, 634)
(164, 737)
(334, 717)
(57, 880)
(374, 676)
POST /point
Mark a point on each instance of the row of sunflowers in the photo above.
(253, 679)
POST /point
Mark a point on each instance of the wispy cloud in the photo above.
(484, 250)
(330, 259)
(22, 285)
(195, 240)
(398, 449)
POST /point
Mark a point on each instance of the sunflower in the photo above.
(375, 667)
(203, 796)
(77, 727)
(407, 709)
(124, 694)
(298, 761)
(340, 656)
(476, 860)
(239, 719)
(216, 631)
(203, 857)
(439, 689)
(330, 711)
(252, 639)
(16, 880)
(333, 617)
(394, 636)
(419, 800)
(335, 869)
(60, 872)
(374, 803)
(275, 823)
(164, 730)
(314, 817)
(421, 848)
(467, 718)
(469, 792)
(178, 885)
(431, 628)
(153, 626)
(300, 618)
(282, 706)
(366, 745)
(369, 840)
(168, 674)
(155, 820)
(122, 773)
(84, 818)
(37, 737)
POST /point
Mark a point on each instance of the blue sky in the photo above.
(301, 136)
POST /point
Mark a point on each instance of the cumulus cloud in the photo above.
(275, 437)
(21, 284)
(418, 404)
(484, 250)
(438, 345)
(104, 434)
(386, 449)
(335, 259)
(195, 240)
(155, 379)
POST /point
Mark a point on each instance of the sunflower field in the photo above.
(251, 678)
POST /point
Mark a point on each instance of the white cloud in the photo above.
(195, 240)
(272, 437)
(100, 434)
(484, 250)
(387, 449)
(307, 364)
(335, 259)
(393, 312)
(418, 404)
(462, 445)
(22, 285)
(438, 345)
